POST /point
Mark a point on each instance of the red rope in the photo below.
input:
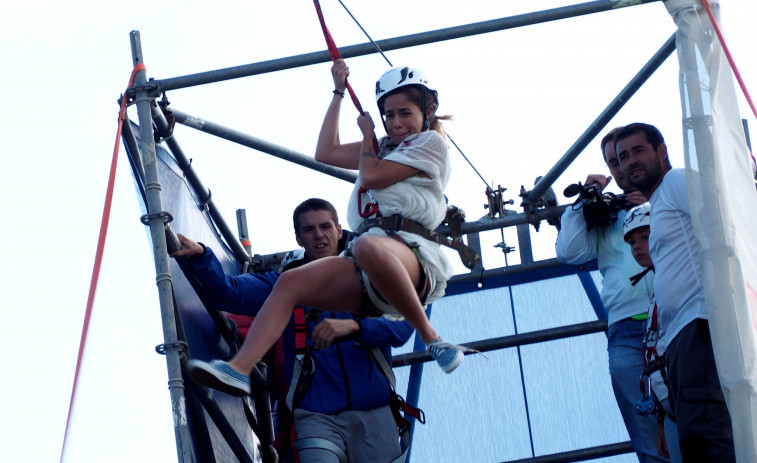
(334, 52)
(99, 253)
(706, 5)
(335, 55)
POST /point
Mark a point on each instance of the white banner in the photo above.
(724, 211)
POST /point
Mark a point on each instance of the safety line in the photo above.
(375, 45)
(335, 55)
(99, 253)
(735, 70)
(334, 52)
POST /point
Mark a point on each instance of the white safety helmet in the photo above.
(398, 77)
(291, 256)
(637, 217)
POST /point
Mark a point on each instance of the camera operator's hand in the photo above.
(600, 179)
(636, 198)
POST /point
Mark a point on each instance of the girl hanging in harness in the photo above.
(391, 268)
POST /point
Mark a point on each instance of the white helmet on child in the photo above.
(637, 217)
(291, 256)
(398, 77)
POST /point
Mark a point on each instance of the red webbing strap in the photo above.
(334, 52)
(650, 352)
(99, 253)
(300, 330)
(335, 55)
(736, 72)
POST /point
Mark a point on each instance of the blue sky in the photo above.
(520, 99)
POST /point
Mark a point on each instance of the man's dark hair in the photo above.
(654, 137)
(609, 138)
(313, 204)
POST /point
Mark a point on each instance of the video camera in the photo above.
(600, 209)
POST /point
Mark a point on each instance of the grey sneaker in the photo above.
(219, 375)
(449, 356)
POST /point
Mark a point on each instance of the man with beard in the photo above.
(626, 304)
(704, 425)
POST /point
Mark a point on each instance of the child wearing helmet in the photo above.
(636, 234)
(390, 270)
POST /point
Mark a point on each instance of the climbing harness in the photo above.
(649, 403)
(396, 222)
(400, 408)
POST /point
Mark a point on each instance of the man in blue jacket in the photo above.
(344, 414)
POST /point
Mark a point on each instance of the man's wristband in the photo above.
(337, 92)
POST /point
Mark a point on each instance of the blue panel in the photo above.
(478, 413)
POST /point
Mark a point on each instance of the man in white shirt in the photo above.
(704, 425)
(626, 304)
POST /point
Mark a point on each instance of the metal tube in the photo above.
(511, 22)
(601, 121)
(593, 294)
(524, 243)
(590, 453)
(262, 145)
(162, 270)
(414, 383)
(514, 275)
(202, 192)
(504, 342)
(508, 220)
(130, 140)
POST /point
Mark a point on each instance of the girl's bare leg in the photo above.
(329, 283)
(395, 271)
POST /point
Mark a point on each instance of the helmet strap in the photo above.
(426, 119)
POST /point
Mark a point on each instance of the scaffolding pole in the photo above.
(156, 219)
(249, 141)
(423, 38)
(504, 342)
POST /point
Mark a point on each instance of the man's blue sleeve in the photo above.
(242, 294)
(382, 332)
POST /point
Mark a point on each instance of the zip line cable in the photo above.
(98, 254)
(488, 188)
(375, 45)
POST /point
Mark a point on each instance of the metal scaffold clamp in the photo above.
(495, 204)
(166, 132)
(548, 201)
(180, 347)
